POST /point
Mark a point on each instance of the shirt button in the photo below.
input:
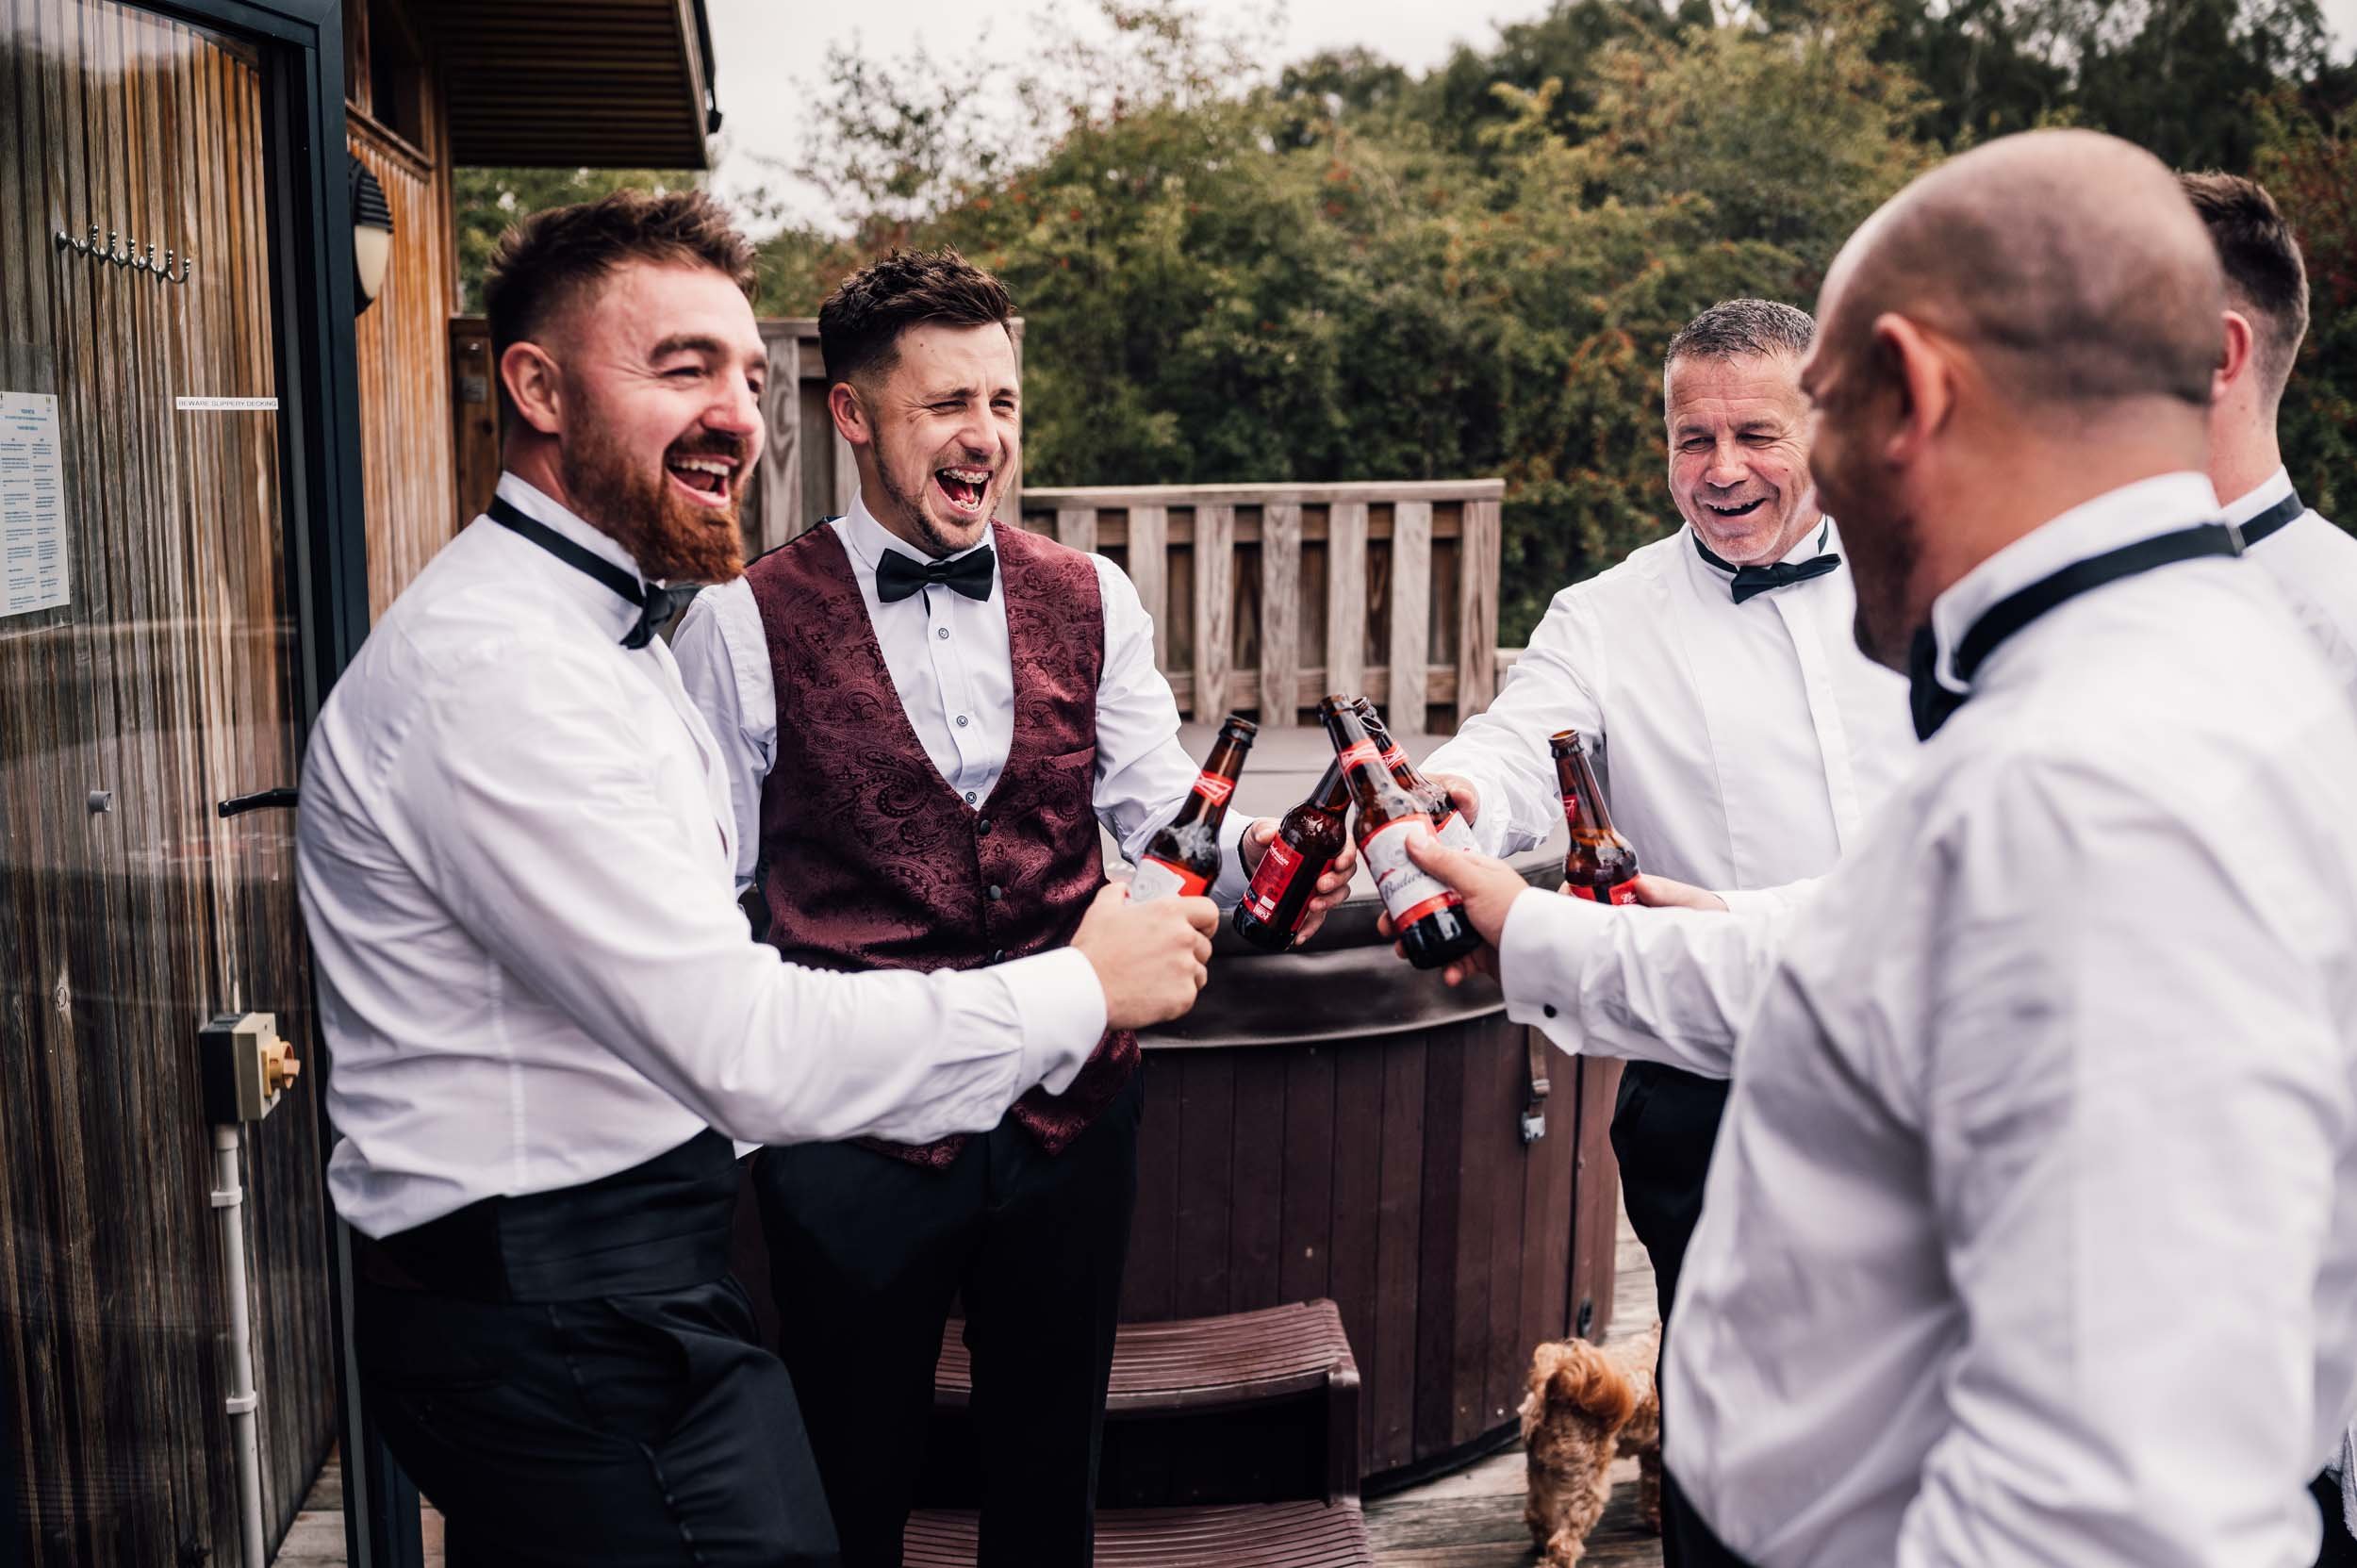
(982, 827)
(941, 632)
(969, 797)
(998, 957)
(994, 892)
(961, 721)
(1548, 1008)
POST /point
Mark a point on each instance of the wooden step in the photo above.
(1267, 1535)
(1201, 1364)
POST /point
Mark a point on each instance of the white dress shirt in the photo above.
(514, 852)
(949, 659)
(2315, 566)
(1747, 743)
(2032, 1233)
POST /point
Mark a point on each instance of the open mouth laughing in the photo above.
(1742, 509)
(964, 487)
(705, 476)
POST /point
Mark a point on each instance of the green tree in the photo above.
(488, 202)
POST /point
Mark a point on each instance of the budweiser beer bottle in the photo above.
(1307, 841)
(1601, 866)
(1182, 857)
(1426, 912)
(1449, 822)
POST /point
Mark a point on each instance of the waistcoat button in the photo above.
(994, 892)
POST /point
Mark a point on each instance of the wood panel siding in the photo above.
(406, 434)
(169, 683)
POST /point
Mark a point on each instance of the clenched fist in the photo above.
(1150, 958)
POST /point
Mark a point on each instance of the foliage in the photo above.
(1234, 268)
(487, 201)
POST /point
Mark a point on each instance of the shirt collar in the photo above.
(2143, 510)
(865, 540)
(2275, 488)
(1816, 542)
(535, 504)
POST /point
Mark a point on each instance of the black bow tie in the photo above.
(1930, 702)
(656, 603)
(899, 577)
(1751, 580)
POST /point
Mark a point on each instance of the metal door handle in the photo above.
(261, 800)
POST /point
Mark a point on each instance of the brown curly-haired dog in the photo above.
(1588, 1404)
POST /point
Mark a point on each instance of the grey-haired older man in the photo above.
(1747, 740)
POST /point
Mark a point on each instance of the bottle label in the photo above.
(1160, 879)
(1455, 834)
(1214, 788)
(1409, 893)
(1270, 881)
(1571, 808)
(1356, 753)
(1393, 757)
(1618, 892)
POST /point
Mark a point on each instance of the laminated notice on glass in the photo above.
(34, 573)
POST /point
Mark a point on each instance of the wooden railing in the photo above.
(1265, 597)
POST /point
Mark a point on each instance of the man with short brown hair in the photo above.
(927, 716)
(547, 1019)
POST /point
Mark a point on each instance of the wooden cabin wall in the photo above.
(409, 471)
(167, 681)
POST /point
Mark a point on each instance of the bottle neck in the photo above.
(1207, 802)
(1583, 801)
(1333, 791)
(1360, 760)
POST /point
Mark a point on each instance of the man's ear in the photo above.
(1917, 368)
(536, 387)
(849, 413)
(2233, 361)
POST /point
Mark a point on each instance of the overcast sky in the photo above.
(769, 52)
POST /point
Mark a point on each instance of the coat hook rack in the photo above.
(129, 258)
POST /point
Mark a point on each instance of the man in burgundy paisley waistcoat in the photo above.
(928, 716)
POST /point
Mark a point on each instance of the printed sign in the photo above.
(226, 406)
(34, 572)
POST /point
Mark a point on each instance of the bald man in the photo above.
(2032, 1234)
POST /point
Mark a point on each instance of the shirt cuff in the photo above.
(1228, 888)
(1540, 954)
(1060, 1008)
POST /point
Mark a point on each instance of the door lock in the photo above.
(246, 1066)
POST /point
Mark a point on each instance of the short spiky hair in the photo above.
(546, 261)
(1737, 329)
(2264, 273)
(860, 325)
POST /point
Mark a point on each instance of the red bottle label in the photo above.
(1618, 892)
(1357, 753)
(1214, 788)
(1269, 883)
(1160, 879)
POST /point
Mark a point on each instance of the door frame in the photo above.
(317, 355)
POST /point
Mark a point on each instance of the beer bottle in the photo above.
(1449, 822)
(1307, 842)
(1182, 857)
(1602, 865)
(1426, 913)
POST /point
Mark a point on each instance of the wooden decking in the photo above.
(1473, 1519)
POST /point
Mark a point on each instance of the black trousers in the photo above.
(1663, 1126)
(866, 1252)
(1686, 1533)
(2340, 1547)
(572, 1379)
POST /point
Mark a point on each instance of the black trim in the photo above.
(2273, 519)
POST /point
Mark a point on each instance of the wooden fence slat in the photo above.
(781, 502)
(1214, 579)
(1281, 611)
(1010, 499)
(1077, 526)
(1477, 610)
(1346, 597)
(1149, 572)
(1411, 612)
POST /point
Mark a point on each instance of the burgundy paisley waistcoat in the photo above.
(871, 861)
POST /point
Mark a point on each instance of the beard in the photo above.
(672, 539)
(931, 536)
